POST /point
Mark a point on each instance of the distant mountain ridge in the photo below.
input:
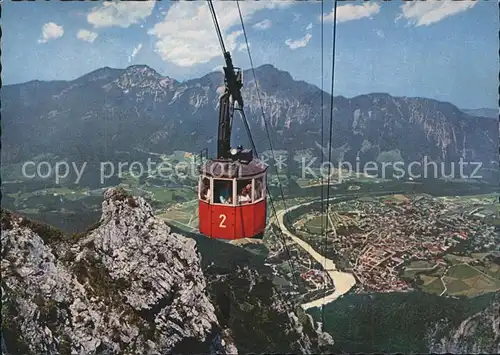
(483, 112)
(110, 110)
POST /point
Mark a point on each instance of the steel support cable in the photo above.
(254, 148)
(323, 220)
(214, 17)
(247, 127)
(270, 144)
(330, 133)
(217, 28)
(322, 104)
(260, 102)
(221, 41)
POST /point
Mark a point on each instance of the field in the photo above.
(479, 256)
(416, 267)
(466, 280)
(318, 224)
(314, 226)
(167, 195)
(457, 259)
(439, 271)
(429, 275)
(184, 215)
(461, 271)
(420, 264)
(491, 269)
(307, 182)
(458, 278)
(433, 285)
(70, 194)
(160, 194)
(397, 198)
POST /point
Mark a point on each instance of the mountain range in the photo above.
(111, 110)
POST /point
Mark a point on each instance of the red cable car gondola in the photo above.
(232, 187)
(237, 207)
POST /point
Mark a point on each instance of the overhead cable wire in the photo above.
(270, 144)
(217, 28)
(221, 41)
(260, 102)
(289, 256)
(323, 220)
(330, 132)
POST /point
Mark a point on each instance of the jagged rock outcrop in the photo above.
(128, 287)
(478, 334)
(132, 285)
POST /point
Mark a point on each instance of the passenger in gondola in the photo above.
(258, 189)
(226, 193)
(206, 193)
(245, 195)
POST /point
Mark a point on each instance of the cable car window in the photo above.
(205, 192)
(244, 189)
(259, 188)
(223, 191)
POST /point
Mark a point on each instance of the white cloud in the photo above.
(134, 52)
(309, 26)
(187, 36)
(380, 33)
(354, 12)
(86, 36)
(243, 47)
(263, 25)
(121, 14)
(51, 31)
(299, 43)
(427, 13)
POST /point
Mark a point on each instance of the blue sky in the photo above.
(447, 50)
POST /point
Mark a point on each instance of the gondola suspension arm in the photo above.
(233, 81)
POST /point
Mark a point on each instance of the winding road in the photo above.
(343, 281)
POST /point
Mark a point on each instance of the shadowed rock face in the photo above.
(129, 286)
(478, 334)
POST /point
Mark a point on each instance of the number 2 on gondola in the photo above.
(222, 220)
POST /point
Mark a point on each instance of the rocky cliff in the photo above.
(132, 286)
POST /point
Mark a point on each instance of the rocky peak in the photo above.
(142, 77)
(104, 74)
(269, 77)
(129, 286)
(270, 69)
(142, 70)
